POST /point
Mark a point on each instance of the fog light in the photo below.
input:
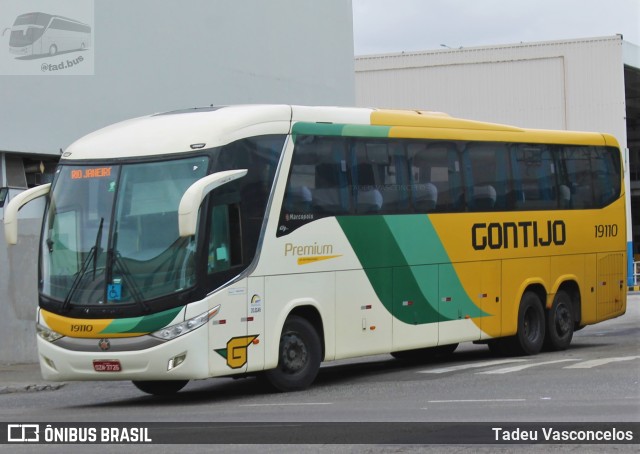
(50, 363)
(176, 361)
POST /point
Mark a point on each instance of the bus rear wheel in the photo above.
(299, 355)
(160, 387)
(560, 323)
(530, 336)
(531, 330)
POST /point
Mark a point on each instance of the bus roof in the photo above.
(43, 19)
(183, 130)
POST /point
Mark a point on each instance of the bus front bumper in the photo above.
(20, 50)
(183, 358)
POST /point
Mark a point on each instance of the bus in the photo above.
(47, 34)
(263, 240)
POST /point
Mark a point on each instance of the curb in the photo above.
(30, 388)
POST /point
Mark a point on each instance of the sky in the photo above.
(387, 26)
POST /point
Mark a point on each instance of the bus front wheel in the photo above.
(160, 387)
(299, 355)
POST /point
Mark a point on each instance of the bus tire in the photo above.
(560, 323)
(299, 355)
(531, 326)
(160, 387)
(53, 50)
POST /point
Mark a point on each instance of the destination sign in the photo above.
(93, 172)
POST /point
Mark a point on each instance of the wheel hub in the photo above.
(562, 320)
(294, 353)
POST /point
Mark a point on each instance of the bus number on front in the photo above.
(606, 230)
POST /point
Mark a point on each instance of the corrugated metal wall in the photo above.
(575, 84)
(518, 92)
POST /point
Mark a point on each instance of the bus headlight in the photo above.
(47, 334)
(173, 331)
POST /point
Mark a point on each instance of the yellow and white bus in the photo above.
(266, 239)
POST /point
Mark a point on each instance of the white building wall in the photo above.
(576, 85)
(157, 55)
(151, 56)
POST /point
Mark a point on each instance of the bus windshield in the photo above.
(25, 36)
(111, 233)
(28, 28)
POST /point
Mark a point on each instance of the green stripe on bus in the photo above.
(417, 271)
(338, 129)
(146, 324)
(384, 264)
(122, 325)
(366, 131)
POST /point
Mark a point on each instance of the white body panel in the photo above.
(148, 364)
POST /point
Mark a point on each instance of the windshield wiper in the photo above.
(93, 254)
(116, 261)
(97, 247)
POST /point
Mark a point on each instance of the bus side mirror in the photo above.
(195, 194)
(11, 211)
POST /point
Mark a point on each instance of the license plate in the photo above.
(106, 365)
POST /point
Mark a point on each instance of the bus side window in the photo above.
(424, 194)
(367, 175)
(330, 193)
(368, 199)
(330, 196)
(535, 177)
(593, 174)
(380, 176)
(435, 176)
(487, 176)
(318, 182)
(578, 170)
(606, 176)
(298, 196)
(397, 179)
